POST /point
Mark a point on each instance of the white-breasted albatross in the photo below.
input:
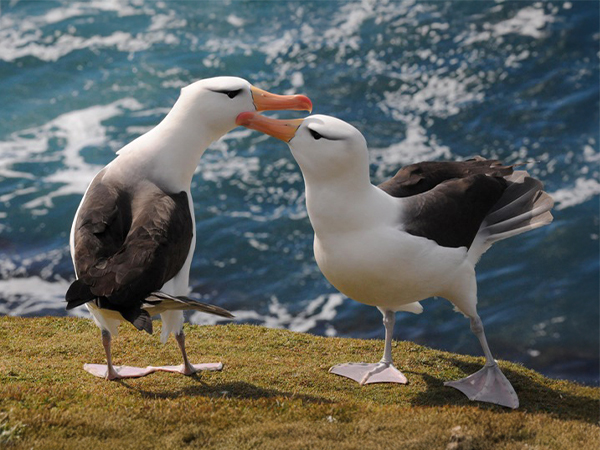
(415, 236)
(133, 236)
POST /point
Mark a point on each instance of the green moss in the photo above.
(275, 392)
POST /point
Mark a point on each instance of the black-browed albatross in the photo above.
(418, 235)
(133, 236)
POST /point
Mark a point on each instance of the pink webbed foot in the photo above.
(191, 369)
(487, 385)
(364, 373)
(101, 370)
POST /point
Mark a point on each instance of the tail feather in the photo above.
(517, 196)
(538, 222)
(78, 294)
(524, 206)
(139, 318)
(159, 301)
(521, 220)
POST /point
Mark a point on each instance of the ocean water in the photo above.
(514, 80)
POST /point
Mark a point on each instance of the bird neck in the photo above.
(347, 207)
(169, 153)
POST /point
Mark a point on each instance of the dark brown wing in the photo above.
(128, 242)
(424, 176)
(452, 212)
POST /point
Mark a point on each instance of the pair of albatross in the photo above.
(415, 236)
(418, 235)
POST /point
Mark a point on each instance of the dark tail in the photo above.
(78, 294)
(139, 318)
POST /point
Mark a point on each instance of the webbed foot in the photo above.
(119, 372)
(364, 373)
(487, 385)
(190, 369)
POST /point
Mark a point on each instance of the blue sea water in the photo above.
(514, 80)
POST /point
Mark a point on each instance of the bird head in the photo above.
(216, 102)
(326, 148)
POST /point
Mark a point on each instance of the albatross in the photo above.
(133, 235)
(418, 235)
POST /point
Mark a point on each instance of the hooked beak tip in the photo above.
(244, 118)
(307, 104)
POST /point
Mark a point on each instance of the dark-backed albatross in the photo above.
(133, 236)
(415, 236)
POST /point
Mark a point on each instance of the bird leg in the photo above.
(389, 321)
(488, 384)
(111, 373)
(381, 372)
(477, 329)
(187, 369)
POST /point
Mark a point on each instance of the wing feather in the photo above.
(452, 212)
(421, 177)
(129, 241)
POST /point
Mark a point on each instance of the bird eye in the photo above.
(232, 94)
(315, 135)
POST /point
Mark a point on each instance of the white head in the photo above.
(326, 149)
(214, 103)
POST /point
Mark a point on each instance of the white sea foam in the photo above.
(166, 21)
(584, 190)
(344, 30)
(530, 21)
(33, 296)
(24, 37)
(216, 167)
(75, 130)
(321, 309)
(235, 21)
(416, 146)
(438, 96)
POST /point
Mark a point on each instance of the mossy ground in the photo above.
(274, 393)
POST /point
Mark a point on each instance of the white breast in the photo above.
(388, 268)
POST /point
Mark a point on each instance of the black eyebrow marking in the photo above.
(231, 93)
(321, 135)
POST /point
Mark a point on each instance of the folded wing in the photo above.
(128, 242)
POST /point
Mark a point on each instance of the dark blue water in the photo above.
(422, 80)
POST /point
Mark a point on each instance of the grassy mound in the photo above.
(275, 392)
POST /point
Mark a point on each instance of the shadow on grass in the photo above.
(235, 390)
(534, 397)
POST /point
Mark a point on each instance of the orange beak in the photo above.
(280, 129)
(265, 101)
